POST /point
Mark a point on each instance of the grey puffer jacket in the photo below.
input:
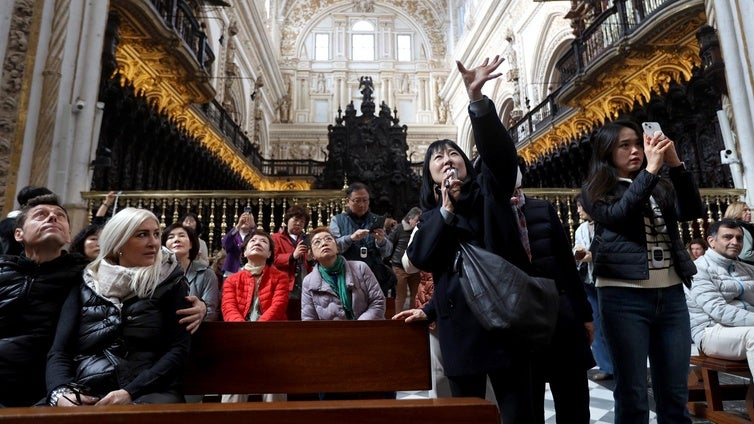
(722, 293)
(320, 302)
(203, 284)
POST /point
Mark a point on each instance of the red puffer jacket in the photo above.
(238, 291)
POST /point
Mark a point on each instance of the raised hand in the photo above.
(659, 149)
(475, 78)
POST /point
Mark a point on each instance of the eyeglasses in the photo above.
(359, 200)
(322, 240)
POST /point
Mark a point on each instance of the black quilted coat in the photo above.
(140, 348)
(31, 296)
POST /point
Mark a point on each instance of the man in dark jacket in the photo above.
(400, 237)
(33, 286)
(360, 236)
(565, 362)
(8, 243)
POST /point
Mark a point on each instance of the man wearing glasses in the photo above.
(360, 235)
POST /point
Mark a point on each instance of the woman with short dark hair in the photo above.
(291, 249)
(259, 291)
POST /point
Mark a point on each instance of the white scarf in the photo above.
(113, 282)
(255, 270)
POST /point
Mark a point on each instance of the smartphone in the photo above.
(454, 176)
(380, 223)
(247, 210)
(650, 128)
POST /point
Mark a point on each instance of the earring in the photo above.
(120, 253)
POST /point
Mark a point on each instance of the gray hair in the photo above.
(412, 213)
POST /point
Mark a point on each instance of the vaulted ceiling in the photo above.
(431, 15)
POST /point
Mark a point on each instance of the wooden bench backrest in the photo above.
(377, 411)
(308, 357)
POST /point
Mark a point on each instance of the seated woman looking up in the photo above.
(184, 243)
(259, 291)
(118, 340)
(338, 289)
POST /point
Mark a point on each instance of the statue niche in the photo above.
(372, 150)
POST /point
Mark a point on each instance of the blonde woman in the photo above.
(118, 340)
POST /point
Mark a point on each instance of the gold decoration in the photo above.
(153, 67)
(631, 76)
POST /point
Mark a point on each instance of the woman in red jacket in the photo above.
(259, 291)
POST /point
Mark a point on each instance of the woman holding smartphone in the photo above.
(640, 264)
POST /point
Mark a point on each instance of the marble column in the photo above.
(736, 35)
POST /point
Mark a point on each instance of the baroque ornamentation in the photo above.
(424, 12)
(14, 69)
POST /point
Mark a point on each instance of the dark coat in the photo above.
(484, 218)
(31, 296)
(141, 348)
(552, 258)
(619, 248)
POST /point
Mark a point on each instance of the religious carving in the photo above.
(284, 109)
(363, 6)
(372, 150)
(405, 86)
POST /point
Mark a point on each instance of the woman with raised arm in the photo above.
(640, 266)
(461, 204)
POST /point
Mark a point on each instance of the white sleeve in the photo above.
(407, 265)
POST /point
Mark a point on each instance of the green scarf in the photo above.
(339, 287)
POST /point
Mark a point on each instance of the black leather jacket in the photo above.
(140, 348)
(619, 248)
(31, 296)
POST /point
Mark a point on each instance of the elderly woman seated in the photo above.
(338, 289)
(258, 292)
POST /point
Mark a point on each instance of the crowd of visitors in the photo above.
(109, 318)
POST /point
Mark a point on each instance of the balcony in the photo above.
(163, 46)
(625, 28)
(632, 49)
(178, 15)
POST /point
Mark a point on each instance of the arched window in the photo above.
(362, 41)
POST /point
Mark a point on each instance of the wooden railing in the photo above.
(219, 210)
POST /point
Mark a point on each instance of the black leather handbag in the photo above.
(502, 296)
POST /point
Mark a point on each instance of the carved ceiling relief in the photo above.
(300, 14)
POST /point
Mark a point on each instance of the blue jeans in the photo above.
(655, 323)
(599, 346)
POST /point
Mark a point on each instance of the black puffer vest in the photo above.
(116, 346)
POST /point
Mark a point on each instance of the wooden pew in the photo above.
(294, 358)
(706, 394)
